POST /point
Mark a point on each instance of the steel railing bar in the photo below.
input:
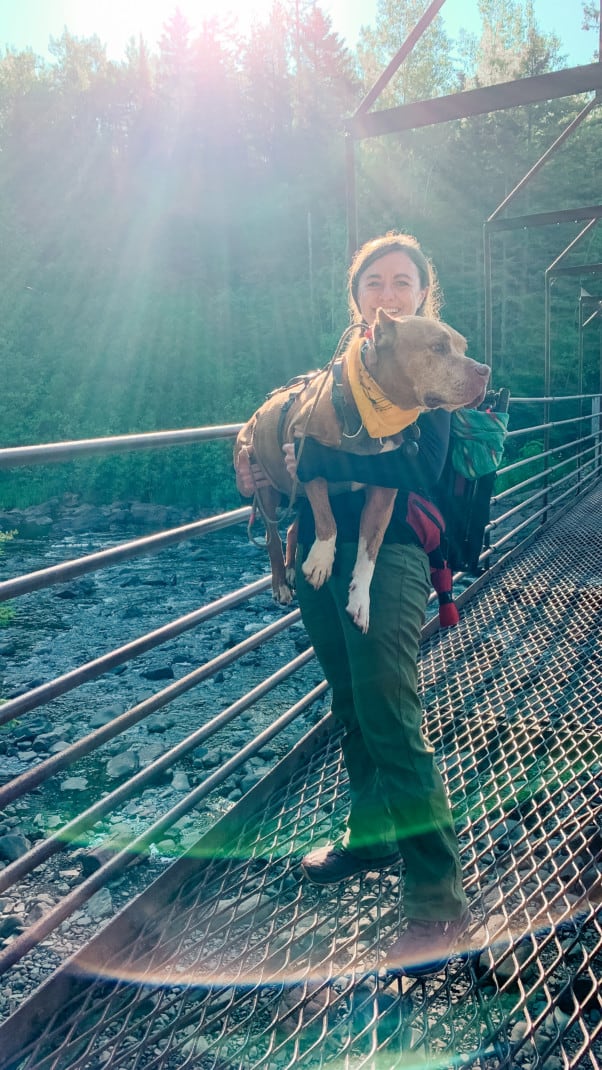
(553, 399)
(30, 779)
(44, 693)
(52, 452)
(530, 519)
(590, 436)
(496, 498)
(47, 577)
(472, 587)
(517, 432)
(75, 899)
(497, 565)
(575, 473)
(531, 499)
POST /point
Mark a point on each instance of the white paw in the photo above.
(291, 577)
(358, 606)
(317, 567)
(282, 595)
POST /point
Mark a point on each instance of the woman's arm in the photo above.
(390, 469)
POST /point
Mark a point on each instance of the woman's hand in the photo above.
(249, 475)
(290, 459)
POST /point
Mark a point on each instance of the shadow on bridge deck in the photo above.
(230, 959)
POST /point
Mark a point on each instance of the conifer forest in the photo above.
(173, 235)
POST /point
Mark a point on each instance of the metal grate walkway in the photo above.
(231, 960)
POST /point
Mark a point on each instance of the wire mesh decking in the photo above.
(232, 960)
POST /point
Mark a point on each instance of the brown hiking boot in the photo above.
(333, 863)
(426, 946)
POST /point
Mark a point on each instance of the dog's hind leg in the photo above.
(269, 499)
(376, 515)
(317, 566)
(292, 535)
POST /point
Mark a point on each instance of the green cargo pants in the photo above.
(397, 794)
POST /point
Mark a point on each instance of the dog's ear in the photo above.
(383, 333)
(384, 328)
(458, 340)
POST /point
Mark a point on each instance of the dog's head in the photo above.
(421, 363)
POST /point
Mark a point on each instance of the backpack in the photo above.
(453, 534)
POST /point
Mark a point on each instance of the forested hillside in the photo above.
(173, 239)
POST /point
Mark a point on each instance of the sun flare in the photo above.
(149, 17)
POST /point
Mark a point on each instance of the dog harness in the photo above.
(299, 381)
(348, 417)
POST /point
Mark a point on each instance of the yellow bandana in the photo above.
(380, 417)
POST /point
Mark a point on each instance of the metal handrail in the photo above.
(520, 431)
(53, 452)
(497, 498)
(47, 577)
(503, 470)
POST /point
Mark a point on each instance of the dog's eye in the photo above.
(439, 347)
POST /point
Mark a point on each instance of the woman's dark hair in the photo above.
(392, 242)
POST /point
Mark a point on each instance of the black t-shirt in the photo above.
(390, 469)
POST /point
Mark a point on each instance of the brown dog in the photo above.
(412, 364)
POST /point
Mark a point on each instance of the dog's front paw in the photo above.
(358, 607)
(291, 578)
(317, 566)
(283, 594)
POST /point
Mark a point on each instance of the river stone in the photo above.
(9, 925)
(60, 745)
(102, 717)
(35, 527)
(161, 672)
(29, 729)
(180, 782)
(159, 723)
(100, 905)
(149, 752)
(123, 764)
(12, 846)
(75, 783)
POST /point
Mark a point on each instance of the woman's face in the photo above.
(392, 282)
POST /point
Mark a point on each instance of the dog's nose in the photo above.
(483, 369)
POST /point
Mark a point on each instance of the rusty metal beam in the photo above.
(579, 269)
(541, 87)
(384, 79)
(543, 219)
(562, 137)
